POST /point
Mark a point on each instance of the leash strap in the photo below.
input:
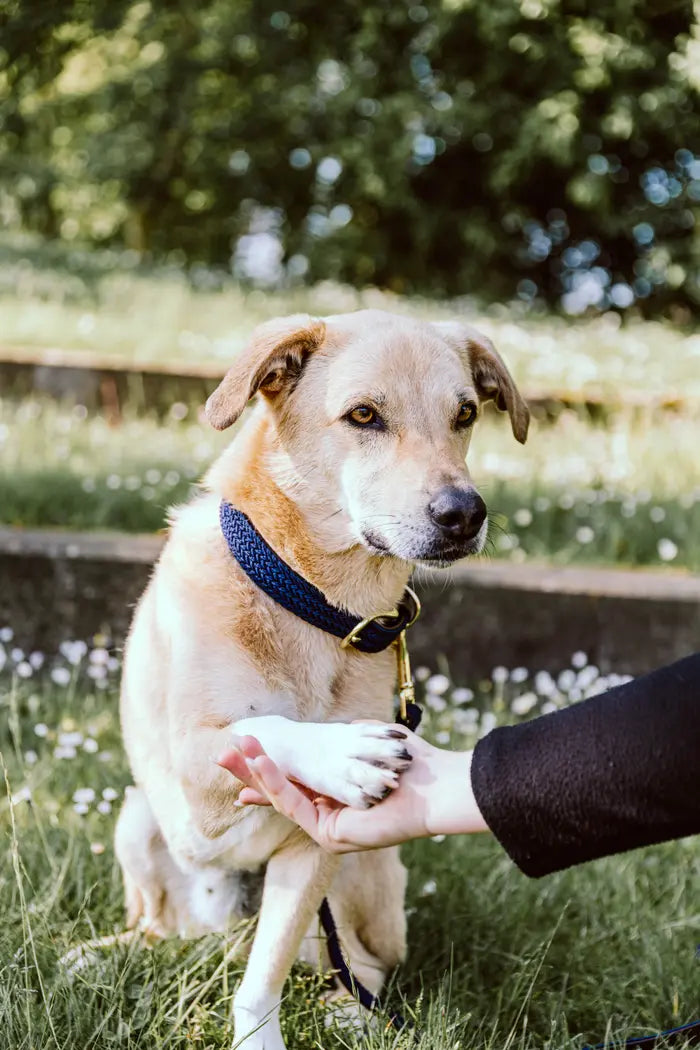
(687, 1033)
(345, 974)
(285, 586)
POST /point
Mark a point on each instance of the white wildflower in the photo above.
(579, 659)
(522, 705)
(41, 729)
(523, 517)
(64, 752)
(435, 702)
(438, 683)
(6, 634)
(24, 669)
(428, 888)
(499, 675)
(31, 757)
(86, 794)
(71, 738)
(544, 683)
(60, 676)
(104, 807)
(519, 675)
(462, 695)
(488, 722)
(109, 794)
(667, 549)
(91, 746)
(585, 534)
(657, 515)
(566, 680)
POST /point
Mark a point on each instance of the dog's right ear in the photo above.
(271, 363)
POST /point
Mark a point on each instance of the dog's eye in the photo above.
(363, 416)
(466, 414)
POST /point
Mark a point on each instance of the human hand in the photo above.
(433, 797)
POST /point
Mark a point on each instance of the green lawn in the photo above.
(628, 493)
(495, 960)
(103, 301)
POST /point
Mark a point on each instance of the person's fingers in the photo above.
(285, 796)
(249, 746)
(251, 797)
(236, 763)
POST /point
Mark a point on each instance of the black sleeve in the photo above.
(611, 773)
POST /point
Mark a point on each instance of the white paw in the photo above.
(356, 764)
(253, 1034)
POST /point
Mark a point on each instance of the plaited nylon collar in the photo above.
(285, 586)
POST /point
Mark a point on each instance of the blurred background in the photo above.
(532, 150)
(172, 174)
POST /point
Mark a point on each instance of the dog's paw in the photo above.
(356, 764)
(360, 764)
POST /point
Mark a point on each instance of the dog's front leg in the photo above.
(296, 881)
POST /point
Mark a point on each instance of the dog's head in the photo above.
(373, 415)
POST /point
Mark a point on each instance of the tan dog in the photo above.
(352, 467)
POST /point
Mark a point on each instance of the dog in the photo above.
(352, 467)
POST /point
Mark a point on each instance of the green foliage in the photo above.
(537, 148)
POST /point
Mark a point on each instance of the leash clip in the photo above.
(407, 692)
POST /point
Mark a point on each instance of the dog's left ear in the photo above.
(271, 363)
(492, 379)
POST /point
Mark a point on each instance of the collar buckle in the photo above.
(397, 620)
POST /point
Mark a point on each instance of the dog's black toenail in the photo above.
(377, 762)
(386, 791)
(396, 734)
(406, 755)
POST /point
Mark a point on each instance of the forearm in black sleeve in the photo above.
(611, 773)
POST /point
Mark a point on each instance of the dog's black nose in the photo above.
(459, 513)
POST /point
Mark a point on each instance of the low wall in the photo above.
(109, 383)
(55, 586)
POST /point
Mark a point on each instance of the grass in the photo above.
(495, 960)
(107, 301)
(577, 492)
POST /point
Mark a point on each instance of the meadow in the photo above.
(495, 960)
(626, 493)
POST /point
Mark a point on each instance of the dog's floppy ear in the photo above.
(492, 379)
(271, 362)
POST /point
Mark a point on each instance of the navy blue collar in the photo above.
(285, 586)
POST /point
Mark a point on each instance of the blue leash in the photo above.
(688, 1033)
(290, 590)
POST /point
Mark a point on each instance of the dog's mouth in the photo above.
(444, 555)
(440, 556)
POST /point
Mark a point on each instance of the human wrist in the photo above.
(451, 807)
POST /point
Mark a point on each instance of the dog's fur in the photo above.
(210, 654)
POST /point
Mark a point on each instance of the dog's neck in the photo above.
(306, 538)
